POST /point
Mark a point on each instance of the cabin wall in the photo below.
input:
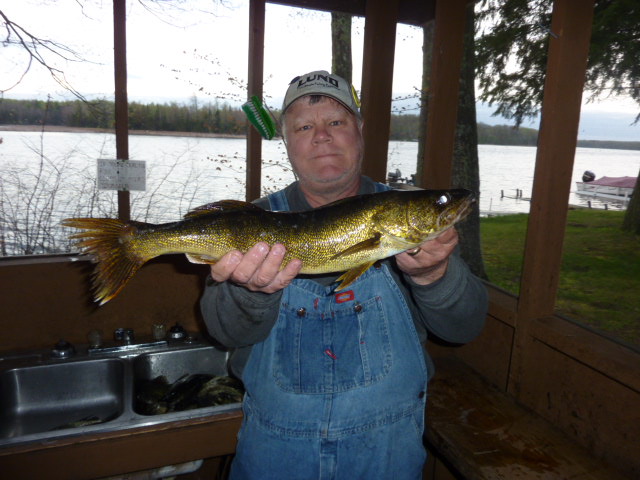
(595, 404)
(48, 299)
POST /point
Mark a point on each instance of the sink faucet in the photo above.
(125, 342)
(124, 335)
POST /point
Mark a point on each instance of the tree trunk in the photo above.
(631, 221)
(427, 48)
(341, 63)
(466, 172)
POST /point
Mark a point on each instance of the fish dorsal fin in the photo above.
(368, 244)
(221, 206)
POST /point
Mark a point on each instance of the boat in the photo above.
(396, 180)
(611, 188)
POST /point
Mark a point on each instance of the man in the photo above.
(336, 382)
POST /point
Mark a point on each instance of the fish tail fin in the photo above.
(106, 241)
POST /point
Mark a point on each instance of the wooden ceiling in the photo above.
(412, 12)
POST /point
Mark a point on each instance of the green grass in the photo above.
(600, 274)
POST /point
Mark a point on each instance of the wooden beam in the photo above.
(410, 12)
(121, 101)
(255, 76)
(377, 82)
(569, 41)
(566, 69)
(448, 42)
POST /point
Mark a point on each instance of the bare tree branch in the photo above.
(38, 50)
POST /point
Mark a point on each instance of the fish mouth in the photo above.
(451, 215)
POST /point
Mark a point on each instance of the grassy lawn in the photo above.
(600, 275)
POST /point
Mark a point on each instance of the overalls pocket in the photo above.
(332, 349)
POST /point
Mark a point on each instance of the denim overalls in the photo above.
(338, 389)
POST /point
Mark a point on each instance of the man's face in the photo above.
(325, 145)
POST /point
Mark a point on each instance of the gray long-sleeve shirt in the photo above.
(453, 308)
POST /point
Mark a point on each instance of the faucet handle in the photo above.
(177, 332)
(63, 349)
(124, 335)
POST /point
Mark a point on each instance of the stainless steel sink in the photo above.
(42, 398)
(61, 395)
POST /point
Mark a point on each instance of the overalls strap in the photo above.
(381, 187)
(278, 201)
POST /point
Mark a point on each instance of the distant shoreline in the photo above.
(62, 128)
(606, 144)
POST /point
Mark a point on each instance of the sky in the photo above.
(196, 51)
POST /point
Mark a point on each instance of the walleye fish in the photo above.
(347, 236)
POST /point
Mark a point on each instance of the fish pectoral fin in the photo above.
(221, 206)
(368, 244)
(350, 276)
(404, 242)
(197, 258)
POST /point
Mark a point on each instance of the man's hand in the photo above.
(428, 263)
(257, 270)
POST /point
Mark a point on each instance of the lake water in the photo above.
(44, 178)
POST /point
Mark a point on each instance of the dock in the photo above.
(518, 195)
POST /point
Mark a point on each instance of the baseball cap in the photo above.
(324, 83)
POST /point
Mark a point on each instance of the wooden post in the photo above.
(121, 101)
(377, 80)
(448, 42)
(566, 68)
(255, 76)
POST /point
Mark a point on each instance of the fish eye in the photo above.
(443, 200)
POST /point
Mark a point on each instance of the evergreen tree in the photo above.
(512, 58)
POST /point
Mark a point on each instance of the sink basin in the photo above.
(42, 398)
(61, 395)
(171, 381)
